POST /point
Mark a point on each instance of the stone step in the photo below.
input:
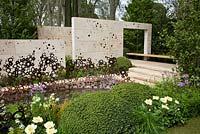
(149, 72)
(146, 71)
(156, 66)
(144, 77)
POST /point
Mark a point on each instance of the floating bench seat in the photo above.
(151, 55)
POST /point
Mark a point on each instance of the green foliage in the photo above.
(148, 121)
(133, 93)
(17, 19)
(99, 112)
(189, 96)
(185, 43)
(191, 100)
(47, 108)
(157, 113)
(122, 63)
(16, 131)
(133, 40)
(41, 107)
(146, 11)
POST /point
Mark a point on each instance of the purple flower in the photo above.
(186, 81)
(40, 88)
(181, 84)
(184, 76)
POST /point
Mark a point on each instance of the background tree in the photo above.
(68, 13)
(145, 11)
(17, 19)
(185, 43)
(113, 6)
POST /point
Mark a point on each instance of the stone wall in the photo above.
(95, 38)
(22, 48)
(58, 33)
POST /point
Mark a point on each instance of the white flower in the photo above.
(164, 100)
(30, 129)
(49, 125)
(148, 101)
(168, 98)
(17, 115)
(37, 119)
(51, 131)
(21, 126)
(45, 105)
(52, 95)
(165, 107)
(155, 97)
(177, 102)
(11, 129)
(57, 99)
(17, 121)
(36, 99)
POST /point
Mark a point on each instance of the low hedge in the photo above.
(97, 113)
(122, 63)
(133, 93)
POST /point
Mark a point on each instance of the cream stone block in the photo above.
(105, 38)
(85, 35)
(95, 24)
(58, 33)
(7, 47)
(109, 36)
(136, 25)
(23, 48)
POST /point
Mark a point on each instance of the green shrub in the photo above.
(184, 44)
(134, 93)
(191, 102)
(189, 96)
(18, 19)
(122, 63)
(97, 113)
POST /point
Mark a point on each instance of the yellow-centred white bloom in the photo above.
(51, 131)
(57, 99)
(155, 97)
(37, 119)
(165, 107)
(163, 100)
(30, 129)
(168, 98)
(49, 125)
(148, 101)
(177, 102)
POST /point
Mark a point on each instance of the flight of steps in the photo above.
(148, 72)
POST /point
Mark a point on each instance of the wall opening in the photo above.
(133, 40)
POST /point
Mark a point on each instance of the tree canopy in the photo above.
(146, 11)
(17, 19)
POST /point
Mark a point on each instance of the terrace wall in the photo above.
(58, 33)
(96, 38)
(22, 48)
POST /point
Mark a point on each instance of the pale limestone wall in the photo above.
(19, 48)
(58, 33)
(97, 38)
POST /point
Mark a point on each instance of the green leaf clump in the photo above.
(97, 113)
